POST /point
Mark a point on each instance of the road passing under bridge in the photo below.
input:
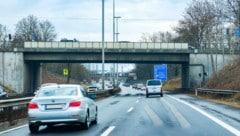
(131, 113)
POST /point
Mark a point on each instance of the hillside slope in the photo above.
(228, 78)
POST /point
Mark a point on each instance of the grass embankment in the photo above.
(172, 85)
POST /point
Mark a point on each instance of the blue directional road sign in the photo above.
(160, 72)
(237, 32)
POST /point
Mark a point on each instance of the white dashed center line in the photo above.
(108, 131)
(129, 110)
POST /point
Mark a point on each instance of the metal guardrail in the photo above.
(13, 109)
(14, 102)
(216, 91)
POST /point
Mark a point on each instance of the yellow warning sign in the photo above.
(65, 72)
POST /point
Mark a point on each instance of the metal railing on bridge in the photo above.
(108, 45)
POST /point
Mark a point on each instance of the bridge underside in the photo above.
(33, 60)
(109, 57)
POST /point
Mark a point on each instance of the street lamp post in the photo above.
(103, 52)
(117, 33)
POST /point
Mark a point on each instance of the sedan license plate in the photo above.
(53, 106)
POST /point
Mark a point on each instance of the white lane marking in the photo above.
(108, 131)
(154, 117)
(6, 131)
(129, 110)
(183, 122)
(137, 101)
(216, 120)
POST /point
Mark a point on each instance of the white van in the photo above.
(154, 87)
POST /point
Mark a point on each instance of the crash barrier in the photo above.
(215, 91)
(12, 110)
(103, 94)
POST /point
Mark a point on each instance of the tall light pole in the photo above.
(103, 52)
(114, 36)
(117, 33)
(113, 20)
(113, 39)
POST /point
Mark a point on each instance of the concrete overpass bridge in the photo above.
(21, 69)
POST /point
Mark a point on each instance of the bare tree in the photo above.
(3, 33)
(30, 29)
(164, 37)
(199, 18)
(27, 29)
(233, 11)
(47, 31)
(146, 37)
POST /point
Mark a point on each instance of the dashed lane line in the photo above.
(216, 120)
(154, 117)
(129, 110)
(183, 122)
(108, 131)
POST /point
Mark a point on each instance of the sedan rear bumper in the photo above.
(74, 115)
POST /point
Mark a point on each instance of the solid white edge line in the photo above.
(129, 110)
(108, 131)
(6, 131)
(216, 120)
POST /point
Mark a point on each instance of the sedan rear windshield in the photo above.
(154, 82)
(64, 91)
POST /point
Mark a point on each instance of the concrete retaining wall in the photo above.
(219, 62)
(11, 70)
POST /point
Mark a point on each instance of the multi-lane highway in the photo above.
(130, 113)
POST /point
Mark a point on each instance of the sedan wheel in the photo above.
(96, 118)
(33, 128)
(87, 122)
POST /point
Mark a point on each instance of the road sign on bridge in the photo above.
(160, 72)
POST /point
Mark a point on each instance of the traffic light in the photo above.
(9, 37)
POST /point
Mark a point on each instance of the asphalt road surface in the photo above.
(130, 113)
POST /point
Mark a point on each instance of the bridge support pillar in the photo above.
(32, 76)
(185, 75)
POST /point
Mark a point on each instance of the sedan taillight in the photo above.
(75, 104)
(32, 105)
(146, 89)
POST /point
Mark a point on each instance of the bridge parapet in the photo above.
(108, 45)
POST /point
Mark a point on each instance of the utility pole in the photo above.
(113, 40)
(103, 51)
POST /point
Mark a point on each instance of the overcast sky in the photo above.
(81, 19)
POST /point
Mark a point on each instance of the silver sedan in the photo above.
(63, 103)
